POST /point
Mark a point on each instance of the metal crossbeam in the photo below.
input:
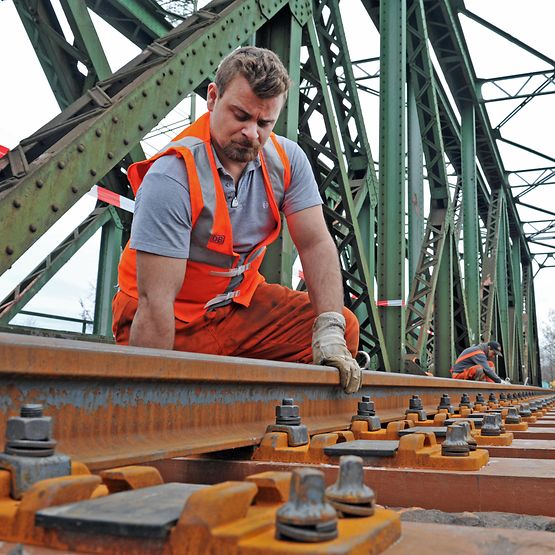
(38, 277)
(489, 265)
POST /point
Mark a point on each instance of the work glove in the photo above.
(329, 348)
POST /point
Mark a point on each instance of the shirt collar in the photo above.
(253, 165)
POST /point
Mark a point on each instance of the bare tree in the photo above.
(547, 347)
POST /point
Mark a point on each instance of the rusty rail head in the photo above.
(117, 405)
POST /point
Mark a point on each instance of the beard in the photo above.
(242, 152)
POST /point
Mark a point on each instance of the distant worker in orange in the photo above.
(476, 363)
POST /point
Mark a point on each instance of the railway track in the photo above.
(198, 419)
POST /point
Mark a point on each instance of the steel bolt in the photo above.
(445, 403)
(490, 425)
(455, 444)
(306, 517)
(480, 399)
(415, 403)
(366, 407)
(349, 495)
(512, 416)
(502, 396)
(525, 410)
(287, 413)
(31, 411)
(469, 438)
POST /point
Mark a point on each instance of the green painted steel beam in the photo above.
(343, 90)
(470, 223)
(283, 35)
(328, 163)
(391, 207)
(489, 265)
(421, 298)
(107, 277)
(141, 21)
(518, 310)
(415, 184)
(444, 342)
(57, 57)
(47, 268)
(452, 53)
(97, 130)
(501, 287)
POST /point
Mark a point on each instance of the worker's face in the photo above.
(240, 121)
(491, 354)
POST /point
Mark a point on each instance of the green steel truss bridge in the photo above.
(427, 276)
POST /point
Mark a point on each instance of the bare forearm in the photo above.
(323, 277)
(153, 326)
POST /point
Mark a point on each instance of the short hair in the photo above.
(261, 67)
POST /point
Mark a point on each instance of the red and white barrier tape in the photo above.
(112, 198)
(391, 302)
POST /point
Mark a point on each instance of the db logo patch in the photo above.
(218, 239)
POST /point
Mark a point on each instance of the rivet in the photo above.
(193, 52)
(190, 81)
(201, 71)
(179, 92)
(182, 62)
(32, 228)
(54, 208)
(125, 142)
(213, 35)
(145, 94)
(154, 116)
(203, 43)
(238, 37)
(9, 250)
(211, 62)
(74, 189)
(16, 204)
(81, 147)
(167, 102)
(130, 105)
(61, 165)
(171, 71)
(93, 172)
(141, 127)
(158, 82)
(110, 155)
(115, 119)
(39, 184)
(98, 133)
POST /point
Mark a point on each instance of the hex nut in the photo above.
(36, 429)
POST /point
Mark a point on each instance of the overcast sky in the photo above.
(26, 103)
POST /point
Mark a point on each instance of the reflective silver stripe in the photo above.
(200, 253)
(255, 254)
(221, 298)
(275, 170)
(233, 272)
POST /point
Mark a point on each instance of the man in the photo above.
(476, 363)
(206, 208)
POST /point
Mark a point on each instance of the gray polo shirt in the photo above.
(162, 220)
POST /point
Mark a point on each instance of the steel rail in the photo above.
(116, 405)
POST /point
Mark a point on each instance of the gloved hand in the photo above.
(329, 348)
